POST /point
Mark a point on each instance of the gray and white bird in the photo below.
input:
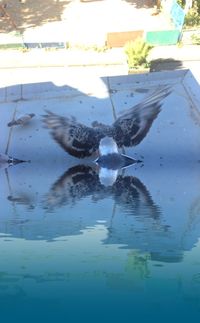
(128, 130)
(22, 120)
(109, 156)
(111, 161)
(6, 161)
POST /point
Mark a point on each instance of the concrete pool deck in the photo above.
(79, 83)
(88, 97)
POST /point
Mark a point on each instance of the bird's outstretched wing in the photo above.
(74, 137)
(129, 129)
(133, 125)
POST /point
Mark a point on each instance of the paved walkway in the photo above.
(73, 21)
(59, 20)
(111, 62)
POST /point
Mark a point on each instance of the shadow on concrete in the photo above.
(31, 14)
(168, 64)
(142, 3)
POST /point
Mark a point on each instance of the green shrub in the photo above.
(137, 52)
(196, 3)
(196, 39)
(181, 3)
(193, 18)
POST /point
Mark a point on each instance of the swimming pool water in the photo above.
(75, 250)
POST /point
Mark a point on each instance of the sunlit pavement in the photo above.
(77, 62)
(72, 21)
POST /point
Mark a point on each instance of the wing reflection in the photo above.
(22, 199)
(132, 194)
(77, 182)
(126, 210)
(81, 181)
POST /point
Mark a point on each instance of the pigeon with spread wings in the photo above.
(128, 130)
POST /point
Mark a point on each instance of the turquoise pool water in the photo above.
(73, 250)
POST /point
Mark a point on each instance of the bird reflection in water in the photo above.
(82, 181)
(22, 199)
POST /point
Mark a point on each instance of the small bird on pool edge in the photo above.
(22, 120)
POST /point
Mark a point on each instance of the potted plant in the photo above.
(137, 52)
